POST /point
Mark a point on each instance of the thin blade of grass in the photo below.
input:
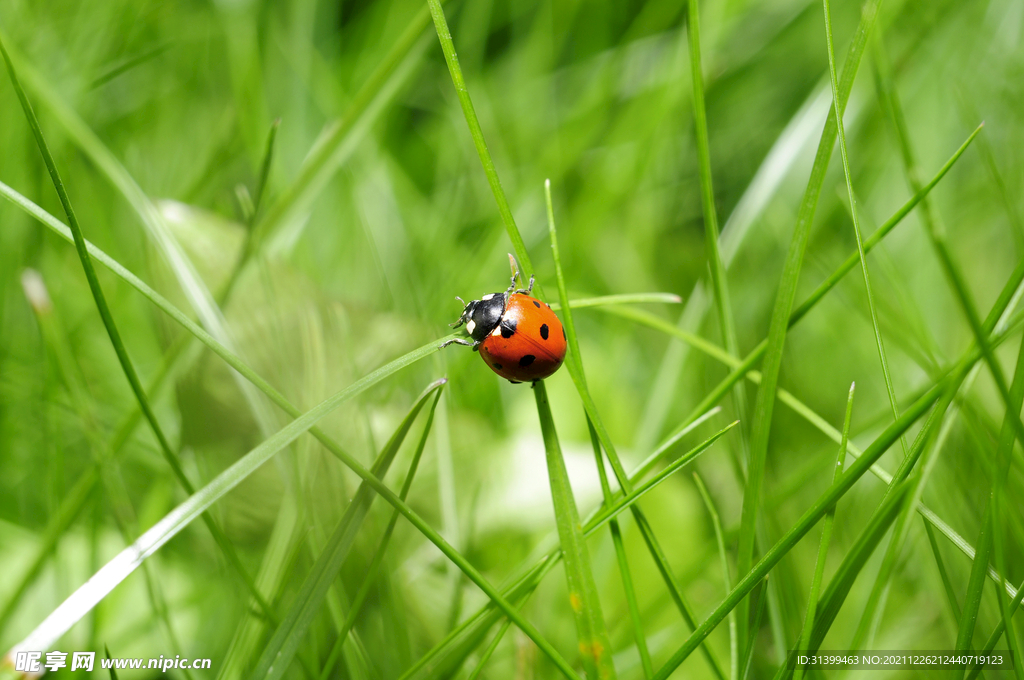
(626, 299)
(489, 652)
(716, 523)
(124, 514)
(444, 36)
(880, 345)
(719, 280)
(620, 555)
(378, 556)
(826, 536)
(947, 585)
(114, 335)
(594, 645)
(279, 651)
(758, 615)
(574, 364)
(764, 403)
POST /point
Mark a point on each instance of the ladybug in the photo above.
(518, 336)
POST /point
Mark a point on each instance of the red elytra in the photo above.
(528, 343)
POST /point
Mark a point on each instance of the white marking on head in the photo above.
(471, 326)
(488, 296)
(497, 330)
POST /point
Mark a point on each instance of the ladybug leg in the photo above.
(462, 319)
(529, 288)
(458, 341)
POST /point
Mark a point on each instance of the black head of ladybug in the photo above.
(482, 316)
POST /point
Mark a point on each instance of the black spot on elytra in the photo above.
(544, 331)
(526, 360)
(536, 304)
(498, 366)
(508, 328)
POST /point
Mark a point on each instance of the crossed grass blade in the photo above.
(284, 643)
(765, 400)
(116, 494)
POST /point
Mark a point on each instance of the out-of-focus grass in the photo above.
(361, 245)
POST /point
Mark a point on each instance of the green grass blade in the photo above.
(1000, 509)
(455, 70)
(626, 299)
(489, 652)
(716, 523)
(594, 645)
(378, 556)
(890, 391)
(114, 335)
(826, 536)
(574, 364)
(719, 280)
(756, 624)
(947, 584)
(764, 403)
(803, 525)
(283, 644)
(113, 673)
(620, 555)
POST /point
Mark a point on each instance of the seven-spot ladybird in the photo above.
(518, 336)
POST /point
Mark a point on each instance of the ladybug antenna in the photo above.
(460, 300)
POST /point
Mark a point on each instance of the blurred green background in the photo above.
(365, 263)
